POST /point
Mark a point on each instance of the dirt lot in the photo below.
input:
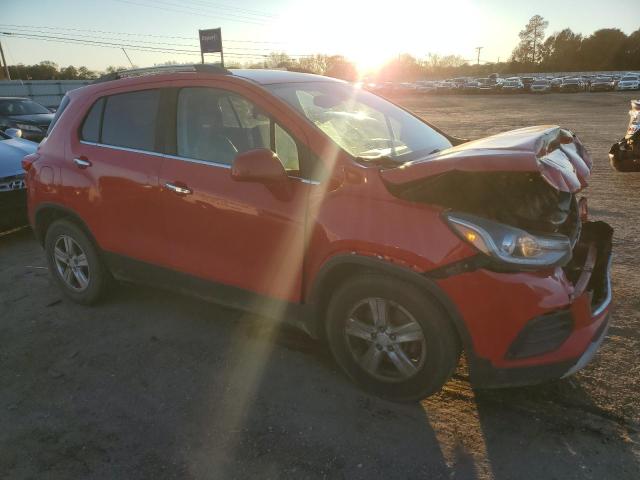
(155, 385)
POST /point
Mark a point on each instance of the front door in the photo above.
(243, 234)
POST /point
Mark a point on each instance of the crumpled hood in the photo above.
(12, 151)
(555, 153)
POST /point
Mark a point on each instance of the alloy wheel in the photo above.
(71, 263)
(385, 339)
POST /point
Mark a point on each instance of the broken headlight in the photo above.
(511, 245)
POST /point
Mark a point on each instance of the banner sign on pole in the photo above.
(211, 42)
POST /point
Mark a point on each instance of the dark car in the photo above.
(486, 85)
(601, 84)
(527, 81)
(25, 114)
(13, 193)
(249, 187)
(572, 85)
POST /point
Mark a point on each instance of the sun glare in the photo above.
(371, 33)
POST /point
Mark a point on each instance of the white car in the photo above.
(540, 85)
(629, 82)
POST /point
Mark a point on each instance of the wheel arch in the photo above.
(341, 267)
(48, 213)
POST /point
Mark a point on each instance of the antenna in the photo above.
(126, 55)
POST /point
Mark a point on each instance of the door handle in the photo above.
(81, 162)
(178, 189)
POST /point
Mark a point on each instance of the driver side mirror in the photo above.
(259, 165)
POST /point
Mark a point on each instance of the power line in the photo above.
(244, 10)
(128, 33)
(199, 14)
(199, 10)
(142, 48)
(107, 39)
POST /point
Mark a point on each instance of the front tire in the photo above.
(391, 338)
(74, 262)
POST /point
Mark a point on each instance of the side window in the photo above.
(229, 116)
(254, 120)
(129, 120)
(286, 149)
(91, 125)
(215, 125)
(201, 133)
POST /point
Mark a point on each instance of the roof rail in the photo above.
(139, 72)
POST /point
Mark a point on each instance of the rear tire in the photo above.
(74, 262)
(407, 358)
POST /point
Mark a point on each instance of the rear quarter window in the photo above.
(91, 126)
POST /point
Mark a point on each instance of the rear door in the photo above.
(115, 168)
(244, 234)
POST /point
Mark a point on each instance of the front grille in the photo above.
(542, 335)
(9, 184)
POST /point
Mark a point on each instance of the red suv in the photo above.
(311, 201)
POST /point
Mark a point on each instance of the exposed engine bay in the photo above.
(520, 199)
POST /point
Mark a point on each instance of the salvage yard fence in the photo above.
(46, 92)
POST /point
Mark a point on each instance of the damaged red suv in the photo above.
(314, 202)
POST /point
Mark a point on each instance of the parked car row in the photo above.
(495, 84)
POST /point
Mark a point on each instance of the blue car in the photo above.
(13, 192)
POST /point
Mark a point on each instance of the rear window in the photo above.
(129, 120)
(61, 108)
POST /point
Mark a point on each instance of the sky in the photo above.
(367, 32)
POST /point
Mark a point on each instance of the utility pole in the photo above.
(478, 49)
(4, 62)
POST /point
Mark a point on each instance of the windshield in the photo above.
(629, 79)
(361, 123)
(21, 107)
(540, 82)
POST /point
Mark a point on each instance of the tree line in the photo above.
(563, 51)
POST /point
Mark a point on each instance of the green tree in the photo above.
(530, 40)
(632, 51)
(339, 67)
(562, 51)
(604, 49)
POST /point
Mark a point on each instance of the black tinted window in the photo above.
(91, 125)
(129, 120)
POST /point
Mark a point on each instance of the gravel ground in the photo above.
(154, 385)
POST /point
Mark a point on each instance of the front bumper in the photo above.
(497, 308)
